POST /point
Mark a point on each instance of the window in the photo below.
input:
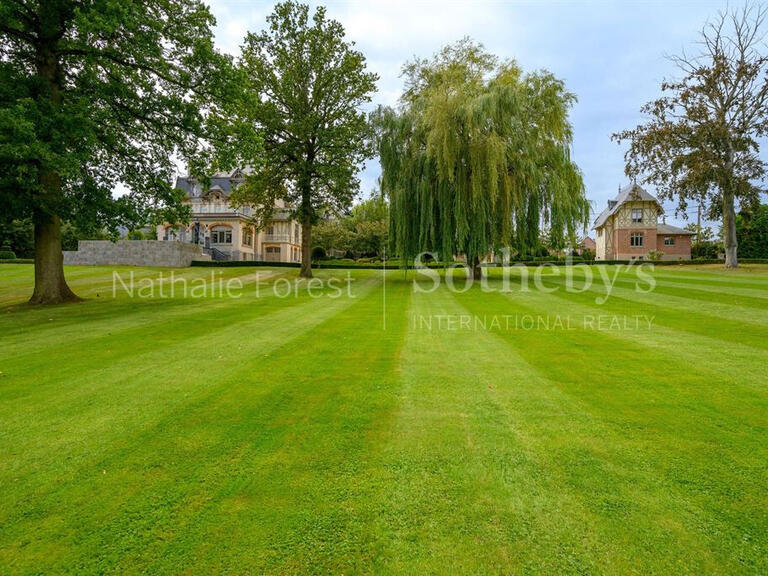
(270, 230)
(273, 249)
(600, 233)
(669, 241)
(247, 237)
(636, 239)
(221, 235)
(637, 215)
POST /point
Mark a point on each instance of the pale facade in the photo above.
(628, 229)
(227, 232)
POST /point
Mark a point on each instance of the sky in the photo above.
(612, 55)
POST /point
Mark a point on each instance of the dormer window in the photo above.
(637, 215)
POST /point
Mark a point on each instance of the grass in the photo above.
(262, 434)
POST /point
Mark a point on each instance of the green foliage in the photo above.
(7, 254)
(370, 237)
(752, 232)
(137, 235)
(364, 231)
(97, 93)
(654, 255)
(704, 244)
(305, 84)
(375, 208)
(318, 253)
(477, 156)
(18, 235)
(332, 235)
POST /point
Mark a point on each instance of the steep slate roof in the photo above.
(626, 194)
(662, 229)
(220, 182)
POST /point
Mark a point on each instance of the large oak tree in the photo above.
(700, 142)
(92, 94)
(307, 85)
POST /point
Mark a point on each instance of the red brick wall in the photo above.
(621, 242)
(681, 249)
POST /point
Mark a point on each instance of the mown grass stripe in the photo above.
(643, 417)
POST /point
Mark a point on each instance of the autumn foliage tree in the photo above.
(701, 141)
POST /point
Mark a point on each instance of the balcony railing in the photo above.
(277, 237)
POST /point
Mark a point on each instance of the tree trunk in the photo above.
(50, 285)
(729, 231)
(306, 248)
(476, 270)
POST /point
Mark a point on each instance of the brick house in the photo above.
(586, 244)
(628, 229)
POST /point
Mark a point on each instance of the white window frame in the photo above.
(221, 235)
(669, 241)
(636, 240)
(637, 219)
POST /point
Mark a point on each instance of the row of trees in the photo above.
(475, 157)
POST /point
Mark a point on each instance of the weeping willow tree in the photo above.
(476, 157)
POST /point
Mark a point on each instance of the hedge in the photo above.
(356, 266)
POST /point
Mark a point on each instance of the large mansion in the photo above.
(628, 229)
(226, 232)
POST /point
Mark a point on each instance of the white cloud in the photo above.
(611, 54)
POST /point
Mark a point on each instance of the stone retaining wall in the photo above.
(135, 253)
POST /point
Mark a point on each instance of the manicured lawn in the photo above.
(392, 432)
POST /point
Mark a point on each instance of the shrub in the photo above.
(7, 254)
(318, 253)
(137, 235)
(655, 255)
